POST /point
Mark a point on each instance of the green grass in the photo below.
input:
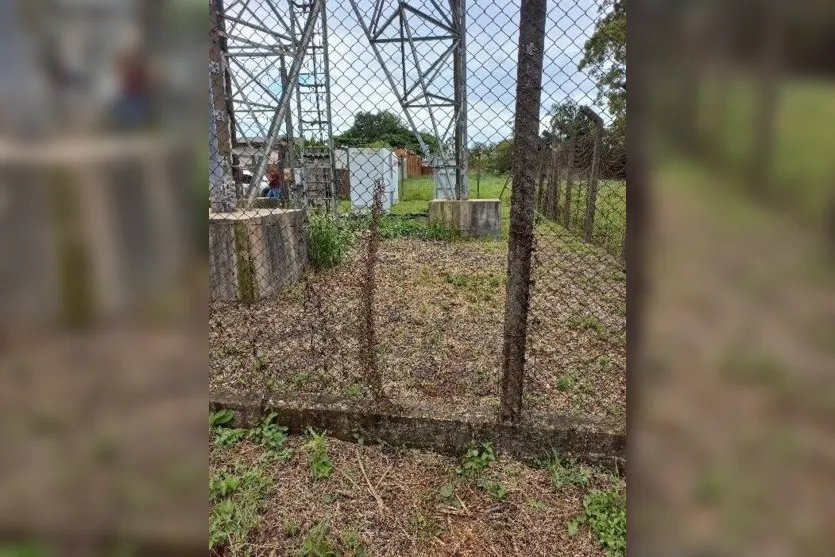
(418, 191)
(234, 497)
(802, 168)
(610, 216)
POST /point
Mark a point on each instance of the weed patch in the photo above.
(605, 514)
(234, 498)
(272, 437)
(477, 458)
(301, 379)
(496, 490)
(351, 544)
(566, 471)
(316, 543)
(354, 390)
(587, 322)
(564, 383)
(477, 282)
(400, 227)
(317, 455)
(328, 241)
(537, 504)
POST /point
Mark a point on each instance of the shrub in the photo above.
(328, 241)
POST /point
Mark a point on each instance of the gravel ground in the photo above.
(407, 502)
(439, 312)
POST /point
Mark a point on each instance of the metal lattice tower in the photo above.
(421, 39)
(273, 56)
(315, 129)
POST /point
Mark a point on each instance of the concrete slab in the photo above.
(469, 218)
(255, 252)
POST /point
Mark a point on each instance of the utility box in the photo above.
(444, 177)
(368, 165)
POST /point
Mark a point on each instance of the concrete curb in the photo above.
(437, 429)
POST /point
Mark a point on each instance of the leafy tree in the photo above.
(604, 56)
(503, 156)
(567, 117)
(383, 129)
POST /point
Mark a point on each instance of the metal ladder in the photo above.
(313, 116)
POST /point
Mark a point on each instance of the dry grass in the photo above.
(439, 315)
(416, 515)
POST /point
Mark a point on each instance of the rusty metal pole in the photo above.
(525, 145)
(459, 59)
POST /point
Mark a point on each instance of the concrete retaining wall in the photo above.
(91, 228)
(471, 218)
(253, 253)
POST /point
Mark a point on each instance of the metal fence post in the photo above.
(520, 243)
(594, 172)
(569, 179)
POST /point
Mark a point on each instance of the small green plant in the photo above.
(447, 496)
(587, 322)
(234, 498)
(537, 504)
(351, 544)
(476, 459)
(566, 471)
(496, 490)
(564, 383)
(359, 435)
(272, 436)
(226, 437)
(316, 543)
(220, 418)
(328, 241)
(260, 364)
(426, 528)
(354, 390)
(221, 434)
(317, 457)
(605, 514)
(602, 363)
(300, 379)
(290, 528)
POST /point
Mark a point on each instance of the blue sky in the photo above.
(359, 84)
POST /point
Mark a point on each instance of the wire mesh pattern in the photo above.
(332, 126)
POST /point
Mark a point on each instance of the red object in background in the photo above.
(133, 75)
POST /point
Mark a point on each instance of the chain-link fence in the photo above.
(336, 126)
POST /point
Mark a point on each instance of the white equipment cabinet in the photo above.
(366, 166)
